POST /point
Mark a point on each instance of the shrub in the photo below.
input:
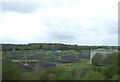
(57, 73)
(98, 69)
(110, 71)
(107, 60)
(115, 77)
(38, 71)
(10, 72)
(92, 75)
(97, 59)
(115, 58)
(78, 73)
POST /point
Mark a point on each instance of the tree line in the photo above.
(49, 46)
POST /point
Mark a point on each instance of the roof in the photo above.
(102, 50)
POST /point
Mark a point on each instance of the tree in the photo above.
(114, 57)
(46, 47)
(107, 60)
(97, 59)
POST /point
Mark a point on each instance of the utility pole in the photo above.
(59, 57)
(76, 56)
(26, 59)
(26, 62)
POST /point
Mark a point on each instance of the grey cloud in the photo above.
(63, 24)
(112, 27)
(104, 25)
(9, 40)
(62, 29)
(21, 7)
(64, 35)
(26, 7)
(56, 4)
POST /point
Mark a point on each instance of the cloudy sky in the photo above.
(82, 22)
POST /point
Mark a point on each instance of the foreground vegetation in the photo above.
(78, 71)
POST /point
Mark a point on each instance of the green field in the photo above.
(25, 60)
(63, 71)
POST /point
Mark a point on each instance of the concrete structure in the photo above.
(102, 51)
(59, 57)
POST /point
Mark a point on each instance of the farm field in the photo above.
(36, 65)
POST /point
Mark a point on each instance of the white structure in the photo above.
(76, 56)
(59, 57)
(102, 51)
(26, 62)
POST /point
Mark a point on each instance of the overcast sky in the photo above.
(82, 22)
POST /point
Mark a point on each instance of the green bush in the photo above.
(110, 71)
(78, 74)
(115, 77)
(98, 69)
(93, 75)
(10, 72)
(107, 60)
(115, 58)
(57, 73)
(119, 70)
(97, 59)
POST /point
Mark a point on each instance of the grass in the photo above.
(50, 57)
(10, 55)
(48, 62)
(39, 52)
(0, 71)
(24, 60)
(3, 57)
(30, 75)
(67, 51)
(47, 57)
(49, 52)
(82, 64)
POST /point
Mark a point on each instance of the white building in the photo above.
(102, 51)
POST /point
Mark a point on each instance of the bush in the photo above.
(57, 73)
(92, 75)
(78, 74)
(10, 72)
(110, 71)
(98, 69)
(97, 59)
(115, 77)
(107, 60)
(115, 58)
(37, 71)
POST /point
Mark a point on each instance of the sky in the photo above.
(81, 22)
